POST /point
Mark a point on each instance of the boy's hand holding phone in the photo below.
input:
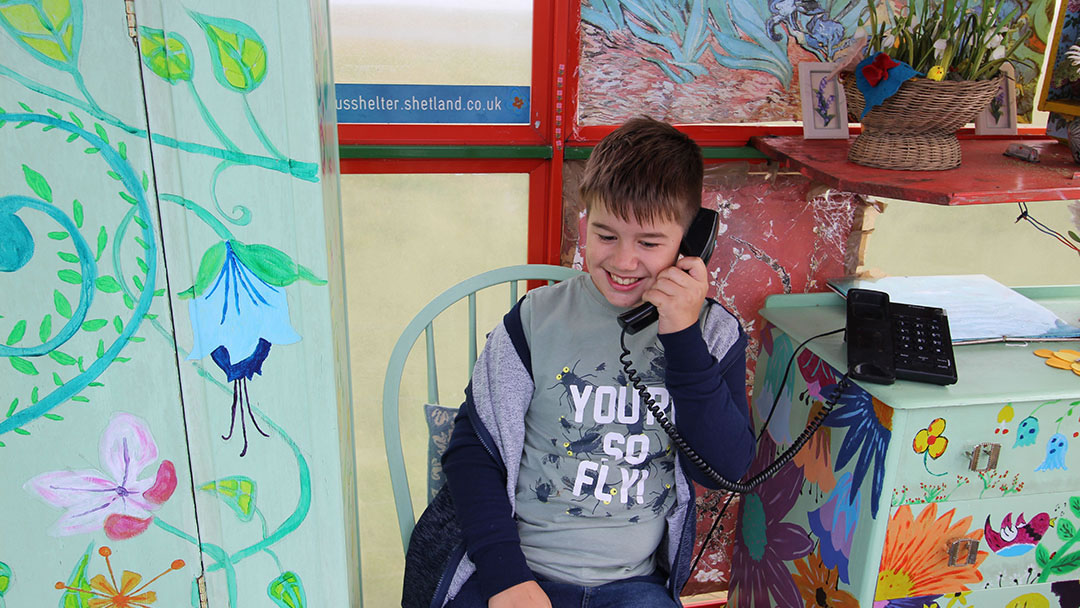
(679, 293)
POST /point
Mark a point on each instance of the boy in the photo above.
(566, 489)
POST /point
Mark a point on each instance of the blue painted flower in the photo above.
(834, 524)
(1055, 453)
(239, 309)
(1027, 432)
(869, 424)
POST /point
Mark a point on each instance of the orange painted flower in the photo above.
(915, 561)
(128, 594)
(815, 457)
(818, 584)
(930, 440)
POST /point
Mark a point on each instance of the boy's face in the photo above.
(625, 257)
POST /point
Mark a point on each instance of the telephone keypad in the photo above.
(923, 344)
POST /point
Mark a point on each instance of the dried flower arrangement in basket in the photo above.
(928, 71)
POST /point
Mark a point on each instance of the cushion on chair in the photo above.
(440, 421)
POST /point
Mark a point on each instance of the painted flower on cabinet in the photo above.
(766, 542)
(815, 457)
(834, 525)
(931, 443)
(239, 309)
(1027, 432)
(106, 593)
(818, 585)
(774, 392)
(869, 428)
(913, 561)
(117, 501)
(1056, 448)
(817, 375)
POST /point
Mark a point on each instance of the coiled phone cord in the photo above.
(740, 487)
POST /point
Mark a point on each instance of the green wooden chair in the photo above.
(423, 323)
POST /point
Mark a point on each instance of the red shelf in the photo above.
(984, 176)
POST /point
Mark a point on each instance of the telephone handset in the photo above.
(699, 241)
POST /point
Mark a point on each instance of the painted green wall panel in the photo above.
(241, 197)
(94, 458)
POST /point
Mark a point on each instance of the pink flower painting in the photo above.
(117, 500)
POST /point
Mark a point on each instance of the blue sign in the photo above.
(431, 104)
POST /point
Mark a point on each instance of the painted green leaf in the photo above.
(77, 213)
(237, 491)
(78, 580)
(121, 147)
(209, 267)
(238, 52)
(107, 284)
(167, 56)
(34, 395)
(272, 265)
(1065, 529)
(309, 276)
(69, 276)
(1066, 563)
(118, 324)
(37, 183)
(5, 579)
(94, 324)
(59, 235)
(68, 257)
(17, 333)
(63, 307)
(1042, 556)
(50, 30)
(45, 329)
(102, 239)
(287, 591)
(101, 132)
(23, 366)
(62, 358)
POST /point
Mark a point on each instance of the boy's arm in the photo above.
(710, 400)
(477, 483)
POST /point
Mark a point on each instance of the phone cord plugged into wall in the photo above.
(741, 487)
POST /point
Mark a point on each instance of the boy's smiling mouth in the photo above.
(623, 282)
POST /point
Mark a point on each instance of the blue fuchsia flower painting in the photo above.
(238, 309)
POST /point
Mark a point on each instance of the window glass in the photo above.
(432, 61)
(407, 238)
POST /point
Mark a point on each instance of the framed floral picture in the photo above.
(824, 108)
(999, 118)
(1061, 84)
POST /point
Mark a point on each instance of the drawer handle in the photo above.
(992, 451)
(972, 552)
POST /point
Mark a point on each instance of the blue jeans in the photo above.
(638, 592)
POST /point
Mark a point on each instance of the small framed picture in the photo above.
(824, 108)
(999, 118)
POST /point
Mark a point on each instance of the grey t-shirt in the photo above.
(597, 474)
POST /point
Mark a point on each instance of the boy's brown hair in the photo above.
(645, 170)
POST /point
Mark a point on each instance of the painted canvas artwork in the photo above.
(731, 61)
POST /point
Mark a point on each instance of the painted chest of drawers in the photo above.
(912, 495)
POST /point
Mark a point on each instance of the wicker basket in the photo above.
(915, 129)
